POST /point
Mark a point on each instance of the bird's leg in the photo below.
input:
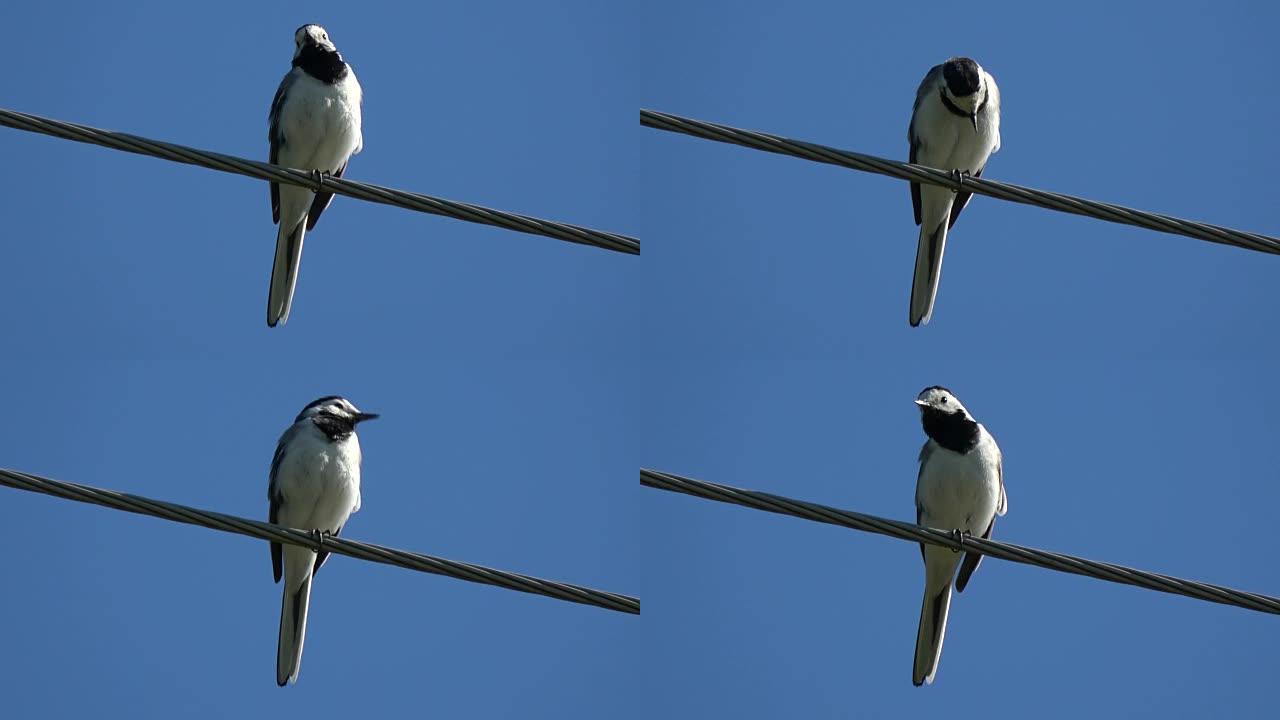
(319, 534)
(319, 176)
(959, 536)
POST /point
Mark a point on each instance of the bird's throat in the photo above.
(955, 109)
(327, 66)
(952, 431)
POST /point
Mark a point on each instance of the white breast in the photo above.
(319, 481)
(321, 123)
(960, 492)
(949, 141)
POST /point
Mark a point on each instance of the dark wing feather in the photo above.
(320, 202)
(926, 87)
(277, 559)
(915, 187)
(276, 498)
(276, 138)
(919, 512)
(323, 554)
(962, 199)
(971, 561)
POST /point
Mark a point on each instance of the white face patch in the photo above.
(313, 34)
(940, 399)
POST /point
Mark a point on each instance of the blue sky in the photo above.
(760, 340)
(1124, 373)
(499, 362)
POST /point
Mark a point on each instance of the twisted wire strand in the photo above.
(342, 546)
(312, 181)
(980, 185)
(991, 548)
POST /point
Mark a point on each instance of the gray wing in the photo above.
(276, 498)
(930, 81)
(276, 137)
(925, 451)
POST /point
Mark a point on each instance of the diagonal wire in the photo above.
(333, 544)
(981, 186)
(312, 181)
(991, 548)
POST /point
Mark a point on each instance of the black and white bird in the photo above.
(960, 488)
(315, 485)
(315, 125)
(955, 125)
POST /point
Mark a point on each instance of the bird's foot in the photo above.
(960, 536)
(319, 535)
(320, 176)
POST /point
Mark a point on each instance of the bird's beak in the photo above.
(974, 119)
(921, 403)
(361, 417)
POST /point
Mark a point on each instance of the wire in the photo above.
(333, 544)
(312, 181)
(947, 179)
(990, 548)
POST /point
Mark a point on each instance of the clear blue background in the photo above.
(1126, 374)
(761, 340)
(138, 358)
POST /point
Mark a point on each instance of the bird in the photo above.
(960, 488)
(955, 125)
(314, 485)
(315, 125)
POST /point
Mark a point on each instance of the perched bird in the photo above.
(315, 125)
(315, 485)
(955, 125)
(960, 488)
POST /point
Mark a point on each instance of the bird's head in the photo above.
(964, 85)
(312, 36)
(336, 407)
(939, 402)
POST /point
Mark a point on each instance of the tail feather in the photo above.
(293, 631)
(933, 626)
(284, 272)
(924, 285)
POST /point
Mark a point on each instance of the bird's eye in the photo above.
(944, 401)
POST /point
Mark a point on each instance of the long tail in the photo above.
(933, 625)
(284, 272)
(293, 630)
(924, 285)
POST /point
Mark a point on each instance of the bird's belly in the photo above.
(322, 128)
(957, 494)
(321, 491)
(952, 143)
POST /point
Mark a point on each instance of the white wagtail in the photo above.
(315, 125)
(955, 125)
(315, 485)
(960, 488)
